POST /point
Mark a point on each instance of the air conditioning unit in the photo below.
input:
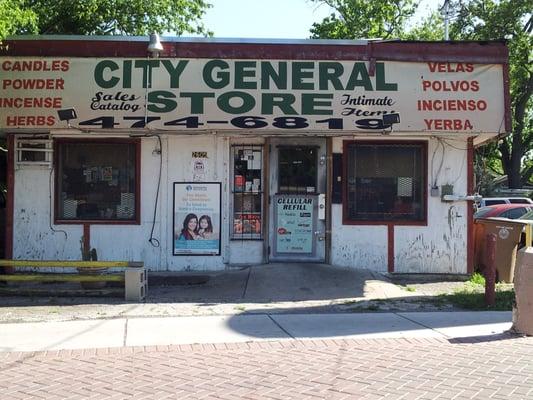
(33, 152)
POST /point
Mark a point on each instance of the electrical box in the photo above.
(446, 190)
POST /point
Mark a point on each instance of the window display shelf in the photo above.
(247, 192)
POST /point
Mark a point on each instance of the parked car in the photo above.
(491, 201)
(511, 211)
(528, 216)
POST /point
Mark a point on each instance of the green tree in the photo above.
(14, 17)
(101, 17)
(430, 28)
(474, 20)
(511, 20)
(356, 19)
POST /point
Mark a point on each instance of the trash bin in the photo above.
(508, 233)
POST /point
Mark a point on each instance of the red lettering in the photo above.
(30, 120)
(432, 66)
(450, 67)
(37, 65)
(451, 105)
(448, 124)
(459, 68)
(30, 102)
(33, 84)
(450, 86)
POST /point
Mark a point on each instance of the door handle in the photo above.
(322, 206)
(321, 235)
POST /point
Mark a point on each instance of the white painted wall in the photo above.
(439, 247)
(357, 246)
(32, 236)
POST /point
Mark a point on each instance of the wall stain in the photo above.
(433, 256)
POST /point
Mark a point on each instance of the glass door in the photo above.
(297, 200)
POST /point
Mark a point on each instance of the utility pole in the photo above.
(445, 12)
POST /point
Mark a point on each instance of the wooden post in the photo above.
(490, 269)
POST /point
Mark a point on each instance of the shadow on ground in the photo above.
(271, 288)
(265, 283)
(458, 327)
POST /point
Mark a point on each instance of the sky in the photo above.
(263, 18)
(272, 19)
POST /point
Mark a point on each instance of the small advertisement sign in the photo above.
(196, 227)
(295, 216)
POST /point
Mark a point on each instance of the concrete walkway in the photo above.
(263, 289)
(121, 332)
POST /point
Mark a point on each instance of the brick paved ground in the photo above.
(498, 368)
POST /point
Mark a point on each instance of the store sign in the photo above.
(196, 218)
(294, 219)
(251, 95)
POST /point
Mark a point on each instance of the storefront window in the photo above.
(385, 182)
(297, 170)
(247, 191)
(97, 181)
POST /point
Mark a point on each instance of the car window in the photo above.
(492, 202)
(482, 212)
(528, 215)
(519, 201)
(514, 213)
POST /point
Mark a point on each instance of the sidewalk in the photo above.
(254, 334)
(126, 332)
(334, 369)
(270, 289)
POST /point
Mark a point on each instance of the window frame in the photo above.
(261, 193)
(137, 218)
(345, 149)
(315, 183)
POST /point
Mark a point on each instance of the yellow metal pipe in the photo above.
(65, 264)
(62, 278)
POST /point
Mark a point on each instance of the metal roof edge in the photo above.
(181, 39)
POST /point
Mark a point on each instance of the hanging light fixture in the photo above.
(155, 47)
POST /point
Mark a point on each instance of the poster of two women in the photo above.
(196, 227)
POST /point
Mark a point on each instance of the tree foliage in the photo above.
(101, 17)
(511, 20)
(430, 28)
(14, 17)
(355, 19)
(474, 20)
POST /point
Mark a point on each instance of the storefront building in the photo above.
(220, 153)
